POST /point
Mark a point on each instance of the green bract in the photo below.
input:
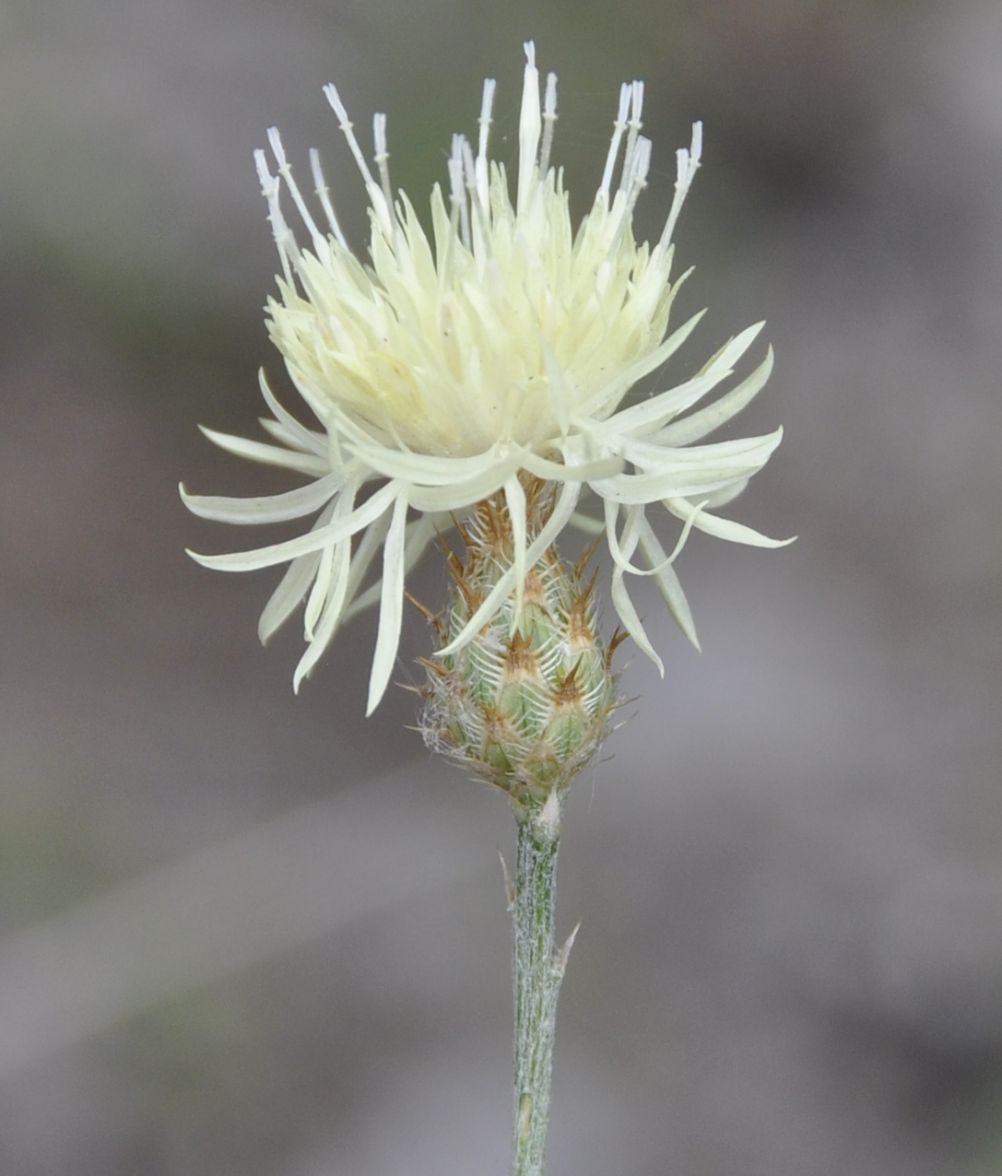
(528, 700)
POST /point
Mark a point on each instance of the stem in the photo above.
(538, 971)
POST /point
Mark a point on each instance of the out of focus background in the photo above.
(248, 933)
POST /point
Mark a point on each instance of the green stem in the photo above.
(538, 971)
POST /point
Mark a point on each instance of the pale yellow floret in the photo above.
(451, 358)
(496, 343)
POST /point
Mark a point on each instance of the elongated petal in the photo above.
(332, 572)
(625, 608)
(684, 477)
(555, 471)
(278, 432)
(428, 470)
(331, 611)
(420, 532)
(305, 438)
(276, 553)
(650, 457)
(293, 586)
(331, 615)
(304, 463)
(612, 392)
(365, 556)
(658, 409)
(390, 606)
(291, 590)
(274, 508)
(619, 556)
(319, 590)
(630, 618)
(667, 581)
(727, 495)
(641, 489)
(696, 426)
(723, 528)
(464, 494)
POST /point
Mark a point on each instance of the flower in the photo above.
(452, 366)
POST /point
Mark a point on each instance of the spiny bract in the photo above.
(526, 703)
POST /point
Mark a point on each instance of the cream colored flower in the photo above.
(448, 367)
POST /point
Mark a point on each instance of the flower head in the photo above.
(450, 367)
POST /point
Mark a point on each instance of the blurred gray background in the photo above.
(245, 933)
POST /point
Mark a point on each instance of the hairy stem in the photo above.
(538, 970)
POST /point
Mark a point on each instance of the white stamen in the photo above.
(696, 150)
(549, 118)
(479, 222)
(618, 127)
(324, 196)
(285, 171)
(632, 184)
(457, 190)
(688, 165)
(382, 155)
(347, 129)
(637, 103)
(284, 238)
(380, 205)
(486, 106)
(529, 126)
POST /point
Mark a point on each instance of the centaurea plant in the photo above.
(478, 381)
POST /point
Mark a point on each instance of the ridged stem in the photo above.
(538, 971)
